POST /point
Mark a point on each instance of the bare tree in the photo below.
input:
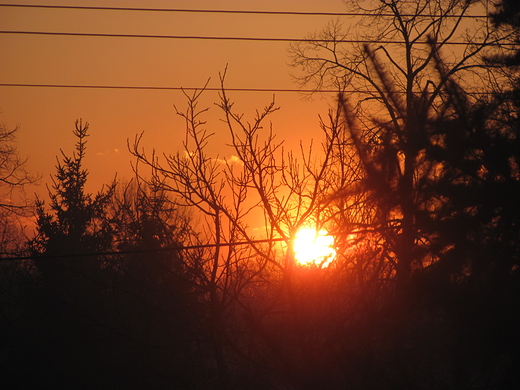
(370, 187)
(433, 143)
(13, 173)
(398, 32)
(13, 178)
(397, 85)
(249, 276)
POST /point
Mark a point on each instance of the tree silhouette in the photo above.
(437, 181)
(154, 295)
(13, 178)
(13, 173)
(506, 16)
(67, 304)
(251, 290)
(124, 320)
(13, 276)
(395, 90)
(77, 223)
(463, 215)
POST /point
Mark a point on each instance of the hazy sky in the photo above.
(46, 116)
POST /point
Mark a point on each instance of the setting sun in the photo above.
(312, 247)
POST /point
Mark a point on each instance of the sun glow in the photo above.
(312, 247)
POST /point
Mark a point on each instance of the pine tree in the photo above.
(77, 221)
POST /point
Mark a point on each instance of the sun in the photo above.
(313, 247)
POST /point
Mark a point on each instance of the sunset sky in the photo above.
(46, 116)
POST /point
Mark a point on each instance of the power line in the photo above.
(137, 251)
(162, 88)
(199, 37)
(138, 87)
(216, 11)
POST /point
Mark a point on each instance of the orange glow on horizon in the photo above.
(313, 247)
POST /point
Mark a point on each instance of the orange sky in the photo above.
(46, 116)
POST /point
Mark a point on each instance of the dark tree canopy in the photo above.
(78, 221)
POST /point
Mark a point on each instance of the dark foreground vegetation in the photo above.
(159, 283)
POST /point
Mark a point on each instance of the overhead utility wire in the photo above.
(217, 11)
(137, 251)
(160, 88)
(137, 87)
(198, 37)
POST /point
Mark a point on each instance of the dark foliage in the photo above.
(98, 321)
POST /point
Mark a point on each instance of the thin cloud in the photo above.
(233, 160)
(108, 151)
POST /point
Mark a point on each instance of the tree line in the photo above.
(417, 177)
